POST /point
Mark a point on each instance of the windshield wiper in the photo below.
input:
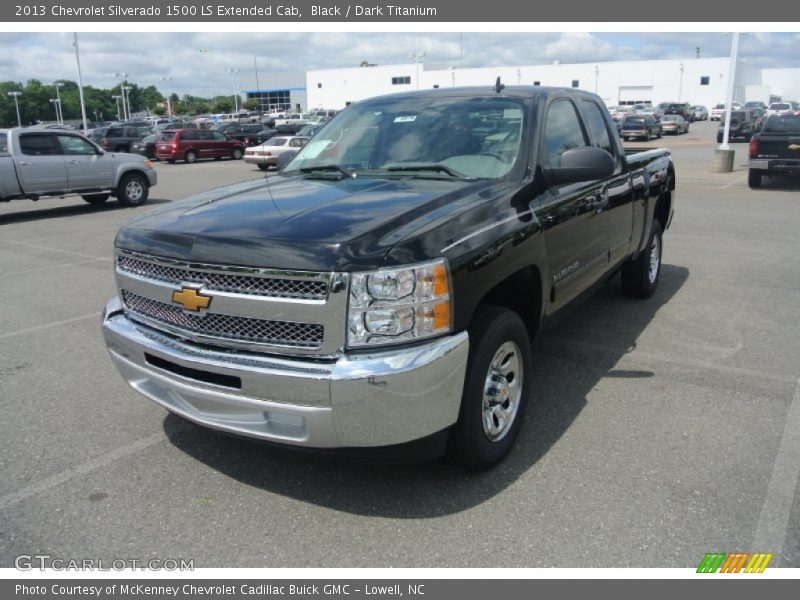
(328, 168)
(439, 168)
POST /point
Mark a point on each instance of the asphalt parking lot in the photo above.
(661, 429)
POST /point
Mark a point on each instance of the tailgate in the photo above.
(778, 146)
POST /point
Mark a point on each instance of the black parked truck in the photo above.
(775, 150)
(383, 290)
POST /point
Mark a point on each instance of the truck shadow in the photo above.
(570, 359)
(72, 210)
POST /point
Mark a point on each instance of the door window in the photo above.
(217, 136)
(39, 144)
(562, 132)
(75, 146)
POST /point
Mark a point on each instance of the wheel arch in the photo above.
(522, 292)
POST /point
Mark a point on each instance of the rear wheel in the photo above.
(236, 154)
(190, 156)
(640, 276)
(754, 178)
(96, 199)
(263, 167)
(496, 389)
(133, 189)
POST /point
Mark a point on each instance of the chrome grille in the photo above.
(281, 333)
(310, 289)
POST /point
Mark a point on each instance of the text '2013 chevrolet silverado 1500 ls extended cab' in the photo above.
(385, 287)
(37, 161)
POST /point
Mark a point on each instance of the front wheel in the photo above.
(640, 276)
(496, 389)
(133, 189)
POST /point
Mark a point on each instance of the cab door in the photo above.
(87, 168)
(575, 239)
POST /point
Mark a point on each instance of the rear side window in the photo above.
(39, 144)
(114, 132)
(597, 125)
(562, 132)
(277, 142)
(3, 143)
(189, 136)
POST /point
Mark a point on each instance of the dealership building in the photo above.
(701, 81)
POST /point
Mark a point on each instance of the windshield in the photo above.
(431, 137)
(789, 124)
(780, 106)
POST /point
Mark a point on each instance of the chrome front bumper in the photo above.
(365, 400)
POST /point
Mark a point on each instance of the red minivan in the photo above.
(190, 145)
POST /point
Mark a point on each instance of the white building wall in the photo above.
(334, 88)
(654, 80)
(782, 82)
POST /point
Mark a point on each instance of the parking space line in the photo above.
(92, 315)
(773, 523)
(48, 483)
(40, 247)
(69, 264)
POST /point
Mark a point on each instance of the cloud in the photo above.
(198, 63)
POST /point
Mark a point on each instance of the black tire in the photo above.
(237, 154)
(719, 138)
(637, 278)
(493, 329)
(172, 162)
(190, 157)
(754, 178)
(262, 166)
(658, 135)
(133, 189)
(96, 199)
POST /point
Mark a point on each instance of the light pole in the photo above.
(680, 83)
(60, 116)
(596, 77)
(169, 105)
(235, 72)
(123, 76)
(116, 98)
(729, 95)
(55, 102)
(16, 96)
(80, 81)
(126, 101)
(417, 57)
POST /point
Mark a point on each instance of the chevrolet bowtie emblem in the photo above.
(794, 147)
(190, 299)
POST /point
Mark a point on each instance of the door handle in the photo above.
(25, 163)
(73, 162)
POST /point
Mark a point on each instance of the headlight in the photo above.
(390, 306)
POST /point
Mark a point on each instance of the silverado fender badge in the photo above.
(190, 299)
(794, 146)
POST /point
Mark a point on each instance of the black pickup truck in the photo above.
(775, 150)
(385, 287)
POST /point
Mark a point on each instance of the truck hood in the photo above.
(297, 223)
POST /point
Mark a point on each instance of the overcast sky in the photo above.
(197, 63)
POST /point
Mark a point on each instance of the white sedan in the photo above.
(266, 154)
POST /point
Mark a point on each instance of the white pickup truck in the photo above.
(37, 162)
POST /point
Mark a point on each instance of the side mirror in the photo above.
(582, 164)
(284, 158)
